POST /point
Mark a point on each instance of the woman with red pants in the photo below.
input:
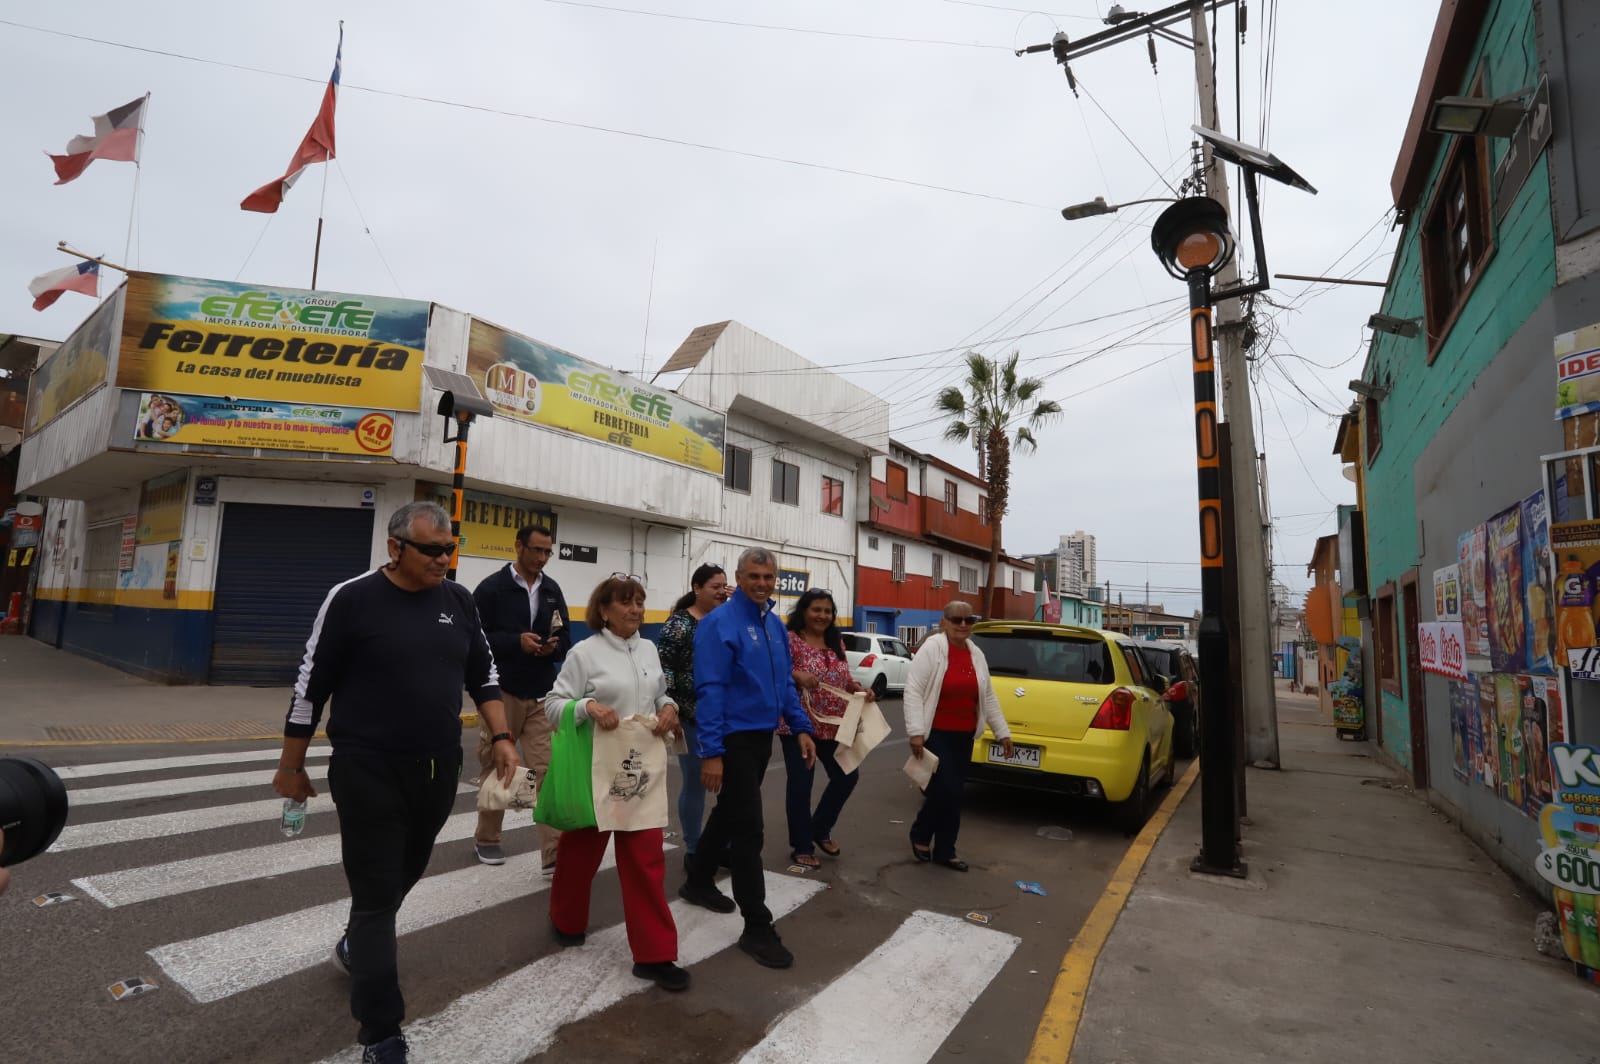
(611, 675)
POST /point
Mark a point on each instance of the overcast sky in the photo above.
(492, 196)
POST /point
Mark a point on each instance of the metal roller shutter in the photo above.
(274, 567)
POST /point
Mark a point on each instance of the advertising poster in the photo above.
(1538, 580)
(1534, 745)
(1488, 733)
(189, 336)
(161, 503)
(77, 368)
(1569, 855)
(203, 421)
(489, 523)
(1439, 649)
(1349, 708)
(1575, 548)
(543, 385)
(1463, 721)
(1472, 561)
(1508, 643)
(1578, 372)
(1508, 737)
(1447, 593)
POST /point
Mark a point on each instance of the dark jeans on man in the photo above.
(808, 827)
(939, 820)
(391, 807)
(735, 825)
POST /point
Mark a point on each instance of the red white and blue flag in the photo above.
(47, 287)
(317, 147)
(115, 136)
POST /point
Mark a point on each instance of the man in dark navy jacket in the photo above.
(525, 617)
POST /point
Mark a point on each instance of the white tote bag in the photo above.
(861, 728)
(521, 793)
(629, 775)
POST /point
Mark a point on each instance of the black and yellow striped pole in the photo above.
(1192, 239)
(460, 408)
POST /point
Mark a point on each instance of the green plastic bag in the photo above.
(566, 796)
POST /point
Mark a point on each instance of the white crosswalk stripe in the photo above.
(154, 764)
(223, 781)
(933, 968)
(132, 885)
(517, 1016)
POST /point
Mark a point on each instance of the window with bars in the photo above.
(969, 580)
(1457, 236)
(101, 560)
(833, 496)
(938, 570)
(736, 469)
(785, 482)
(983, 509)
(897, 562)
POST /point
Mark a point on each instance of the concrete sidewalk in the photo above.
(1369, 929)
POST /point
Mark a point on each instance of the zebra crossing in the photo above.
(930, 968)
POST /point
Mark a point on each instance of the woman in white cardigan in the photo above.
(611, 675)
(948, 700)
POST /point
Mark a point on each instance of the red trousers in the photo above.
(641, 868)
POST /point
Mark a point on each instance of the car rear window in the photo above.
(1162, 662)
(1033, 656)
(855, 642)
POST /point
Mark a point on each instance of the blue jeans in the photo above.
(807, 827)
(939, 820)
(692, 796)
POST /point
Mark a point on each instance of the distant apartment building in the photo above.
(1075, 573)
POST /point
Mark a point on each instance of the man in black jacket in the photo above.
(525, 617)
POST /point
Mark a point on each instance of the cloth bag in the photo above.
(566, 801)
(520, 793)
(861, 728)
(629, 776)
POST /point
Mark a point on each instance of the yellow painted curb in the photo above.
(1058, 1024)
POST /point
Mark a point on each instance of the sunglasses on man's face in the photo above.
(962, 621)
(431, 550)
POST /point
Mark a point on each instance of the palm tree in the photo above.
(982, 410)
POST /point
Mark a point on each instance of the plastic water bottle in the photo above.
(294, 818)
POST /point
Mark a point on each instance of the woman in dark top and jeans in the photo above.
(708, 589)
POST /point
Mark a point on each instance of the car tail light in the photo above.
(1116, 712)
(866, 662)
(1178, 692)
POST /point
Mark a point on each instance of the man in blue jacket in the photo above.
(743, 684)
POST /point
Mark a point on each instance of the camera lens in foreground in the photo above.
(33, 808)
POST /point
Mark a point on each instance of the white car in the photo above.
(877, 661)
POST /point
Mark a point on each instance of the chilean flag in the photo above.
(317, 147)
(47, 287)
(115, 136)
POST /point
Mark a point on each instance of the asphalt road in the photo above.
(856, 923)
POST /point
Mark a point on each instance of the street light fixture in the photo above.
(1388, 323)
(460, 403)
(1098, 206)
(1478, 116)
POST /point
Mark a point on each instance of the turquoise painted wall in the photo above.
(1518, 277)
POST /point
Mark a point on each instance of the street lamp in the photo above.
(1193, 240)
(1098, 205)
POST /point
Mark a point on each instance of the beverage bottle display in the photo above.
(294, 818)
(1576, 621)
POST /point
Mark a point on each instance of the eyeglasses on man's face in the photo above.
(537, 552)
(431, 550)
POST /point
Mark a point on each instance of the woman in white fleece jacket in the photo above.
(949, 698)
(611, 675)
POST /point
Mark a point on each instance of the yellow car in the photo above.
(1086, 717)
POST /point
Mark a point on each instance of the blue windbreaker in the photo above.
(743, 675)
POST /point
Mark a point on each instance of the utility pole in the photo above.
(1257, 690)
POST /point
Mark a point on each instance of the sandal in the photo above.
(805, 860)
(923, 854)
(954, 862)
(829, 847)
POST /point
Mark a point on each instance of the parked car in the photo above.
(1180, 690)
(877, 661)
(1085, 715)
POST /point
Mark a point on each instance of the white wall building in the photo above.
(1076, 572)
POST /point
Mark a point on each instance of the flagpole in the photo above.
(61, 245)
(316, 254)
(138, 169)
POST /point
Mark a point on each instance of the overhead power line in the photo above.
(767, 26)
(529, 117)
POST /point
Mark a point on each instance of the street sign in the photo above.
(577, 552)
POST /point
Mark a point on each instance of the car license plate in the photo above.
(1025, 756)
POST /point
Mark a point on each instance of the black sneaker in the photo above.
(665, 974)
(767, 948)
(707, 897)
(341, 954)
(567, 939)
(389, 1051)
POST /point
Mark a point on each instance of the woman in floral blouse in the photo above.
(818, 652)
(708, 589)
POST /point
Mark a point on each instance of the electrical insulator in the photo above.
(1243, 14)
(1151, 41)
